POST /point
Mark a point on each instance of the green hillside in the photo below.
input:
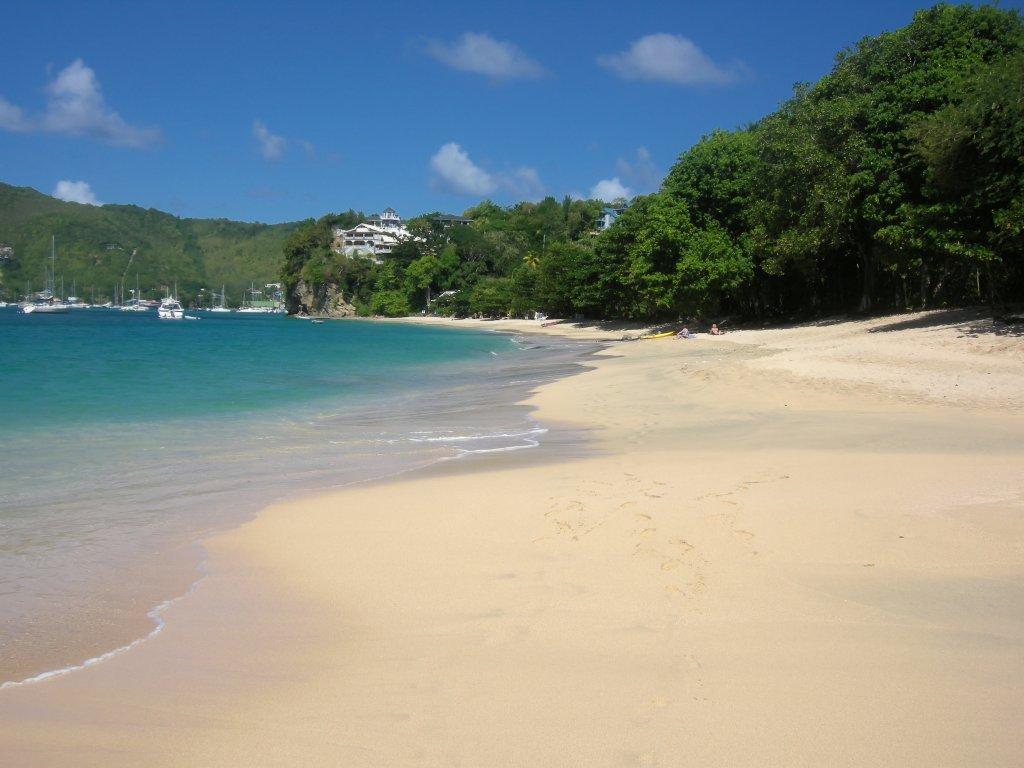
(95, 246)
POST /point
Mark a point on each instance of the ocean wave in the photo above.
(467, 438)
(155, 614)
(502, 449)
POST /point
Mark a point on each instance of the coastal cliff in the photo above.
(322, 300)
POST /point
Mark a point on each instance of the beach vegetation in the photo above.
(894, 182)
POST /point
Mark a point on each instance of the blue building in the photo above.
(608, 217)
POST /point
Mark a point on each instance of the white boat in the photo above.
(73, 301)
(170, 309)
(44, 308)
(45, 302)
(251, 307)
(222, 307)
(135, 303)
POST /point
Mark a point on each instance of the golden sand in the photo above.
(799, 547)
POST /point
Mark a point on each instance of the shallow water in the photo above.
(124, 439)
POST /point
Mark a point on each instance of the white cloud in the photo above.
(666, 58)
(455, 172)
(75, 192)
(641, 172)
(12, 118)
(482, 54)
(271, 145)
(608, 190)
(524, 183)
(75, 107)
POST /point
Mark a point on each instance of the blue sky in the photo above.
(275, 111)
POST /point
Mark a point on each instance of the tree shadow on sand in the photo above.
(969, 322)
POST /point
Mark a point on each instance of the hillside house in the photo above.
(374, 238)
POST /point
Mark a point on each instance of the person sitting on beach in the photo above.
(715, 330)
(685, 334)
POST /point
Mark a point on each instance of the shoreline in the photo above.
(117, 616)
(813, 350)
(680, 592)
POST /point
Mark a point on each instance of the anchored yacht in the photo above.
(45, 302)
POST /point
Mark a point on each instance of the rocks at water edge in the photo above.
(323, 300)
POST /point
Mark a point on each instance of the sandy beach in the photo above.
(798, 546)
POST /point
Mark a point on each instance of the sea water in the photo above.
(125, 439)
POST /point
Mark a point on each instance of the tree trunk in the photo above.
(938, 286)
(867, 281)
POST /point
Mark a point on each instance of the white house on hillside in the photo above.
(375, 238)
(389, 220)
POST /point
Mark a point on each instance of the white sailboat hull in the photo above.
(44, 309)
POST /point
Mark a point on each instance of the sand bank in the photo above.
(799, 547)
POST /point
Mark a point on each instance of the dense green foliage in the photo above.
(95, 246)
(845, 211)
(493, 265)
(894, 182)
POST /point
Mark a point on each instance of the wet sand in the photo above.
(797, 547)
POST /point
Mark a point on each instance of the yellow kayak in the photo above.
(661, 335)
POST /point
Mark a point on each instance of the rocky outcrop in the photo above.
(321, 300)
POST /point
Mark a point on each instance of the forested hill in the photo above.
(894, 182)
(95, 246)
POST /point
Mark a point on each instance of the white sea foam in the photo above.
(467, 438)
(155, 614)
(236, 465)
(502, 449)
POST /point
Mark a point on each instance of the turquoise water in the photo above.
(110, 367)
(124, 439)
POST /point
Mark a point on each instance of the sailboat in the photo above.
(222, 307)
(135, 303)
(254, 296)
(46, 302)
(73, 301)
